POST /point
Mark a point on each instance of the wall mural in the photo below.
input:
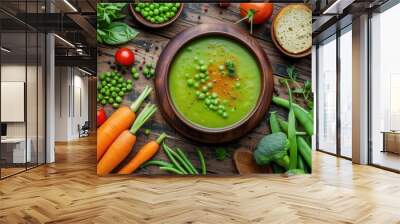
(204, 89)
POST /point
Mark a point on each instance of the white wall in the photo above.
(71, 93)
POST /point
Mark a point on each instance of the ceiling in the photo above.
(22, 23)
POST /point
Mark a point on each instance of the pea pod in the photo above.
(300, 163)
(273, 123)
(292, 132)
(284, 125)
(305, 150)
(302, 115)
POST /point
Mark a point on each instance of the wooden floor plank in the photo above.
(69, 191)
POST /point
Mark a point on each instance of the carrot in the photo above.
(118, 122)
(143, 155)
(123, 144)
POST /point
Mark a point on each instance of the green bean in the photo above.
(305, 150)
(292, 132)
(184, 157)
(172, 159)
(182, 161)
(284, 125)
(300, 163)
(273, 123)
(302, 115)
(202, 162)
(157, 163)
(171, 169)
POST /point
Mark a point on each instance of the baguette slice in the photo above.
(293, 28)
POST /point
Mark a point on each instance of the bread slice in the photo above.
(293, 28)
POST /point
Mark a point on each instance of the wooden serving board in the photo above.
(147, 47)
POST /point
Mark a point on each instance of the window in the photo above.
(385, 89)
(327, 95)
(346, 92)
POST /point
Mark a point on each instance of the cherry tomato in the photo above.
(124, 56)
(258, 12)
(101, 116)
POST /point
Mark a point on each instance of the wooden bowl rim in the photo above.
(277, 44)
(162, 80)
(144, 22)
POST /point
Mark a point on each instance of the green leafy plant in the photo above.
(305, 90)
(221, 153)
(109, 30)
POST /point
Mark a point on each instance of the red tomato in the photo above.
(258, 12)
(101, 117)
(124, 56)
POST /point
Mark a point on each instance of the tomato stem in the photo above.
(249, 16)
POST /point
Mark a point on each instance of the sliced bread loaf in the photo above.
(293, 28)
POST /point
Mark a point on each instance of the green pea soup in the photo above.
(214, 82)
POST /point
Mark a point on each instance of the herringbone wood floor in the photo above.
(70, 192)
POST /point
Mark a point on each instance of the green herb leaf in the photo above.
(221, 153)
(119, 33)
(230, 67)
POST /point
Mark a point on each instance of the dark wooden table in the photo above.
(149, 44)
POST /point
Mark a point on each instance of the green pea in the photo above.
(206, 78)
(107, 93)
(202, 75)
(104, 83)
(174, 9)
(133, 70)
(196, 84)
(196, 58)
(129, 81)
(146, 71)
(104, 102)
(225, 115)
(147, 131)
(208, 94)
(220, 112)
(152, 72)
(203, 68)
(210, 85)
(137, 9)
(118, 99)
(135, 75)
(103, 91)
(207, 102)
(201, 96)
(111, 100)
(122, 93)
(152, 20)
(197, 67)
(198, 93)
(197, 76)
(129, 87)
(112, 89)
(213, 107)
(215, 101)
(113, 94)
(214, 95)
(190, 82)
(237, 85)
(202, 80)
(201, 62)
(221, 67)
(115, 105)
(204, 89)
(221, 107)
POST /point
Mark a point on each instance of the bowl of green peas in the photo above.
(156, 15)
